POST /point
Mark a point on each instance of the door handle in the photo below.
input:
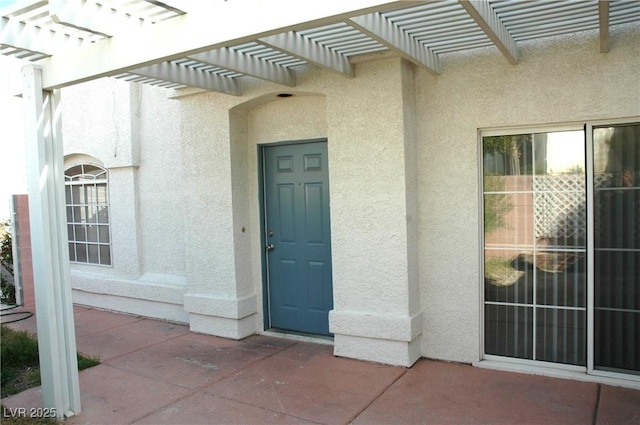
(270, 247)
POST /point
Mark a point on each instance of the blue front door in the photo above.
(298, 239)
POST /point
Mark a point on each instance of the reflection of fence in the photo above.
(554, 206)
(559, 206)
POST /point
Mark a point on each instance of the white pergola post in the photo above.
(54, 308)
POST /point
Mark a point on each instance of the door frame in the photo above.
(589, 162)
(261, 147)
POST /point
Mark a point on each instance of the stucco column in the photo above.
(373, 174)
(219, 300)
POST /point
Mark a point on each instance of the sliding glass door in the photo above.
(548, 246)
(534, 227)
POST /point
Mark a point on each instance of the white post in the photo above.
(52, 284)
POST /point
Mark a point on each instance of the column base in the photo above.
(385, 339)
(233, 318)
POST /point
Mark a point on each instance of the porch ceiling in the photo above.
(213, 44)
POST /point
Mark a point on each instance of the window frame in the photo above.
(88, 180)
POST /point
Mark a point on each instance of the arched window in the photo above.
(87, 199)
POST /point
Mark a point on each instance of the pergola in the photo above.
(191, 46)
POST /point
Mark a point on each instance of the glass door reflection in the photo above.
(616, 217)
(535, 246)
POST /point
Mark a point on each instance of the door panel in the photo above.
(616, 189)
(535, 269)
(299, 286)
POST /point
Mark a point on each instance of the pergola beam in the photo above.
(385, 32)
(28, 37)
(245, 64)
(484, 15)
(309, 51)
(219, 24)
(90, 17)
(176, 6)
(603, 19)
(180, 74)
(22, 6)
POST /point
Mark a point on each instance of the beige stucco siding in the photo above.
(559, 81)
(159, 191)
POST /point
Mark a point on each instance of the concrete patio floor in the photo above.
(154, 372)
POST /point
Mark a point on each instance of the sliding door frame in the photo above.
(588, 133)
(524, 364)
(591, 368)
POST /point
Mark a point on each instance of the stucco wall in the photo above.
(558, 81)
(370, 168)
(133, 132)
(366, 163)
(159, 182)
(97, 121)
(404, 181)
(363, 119)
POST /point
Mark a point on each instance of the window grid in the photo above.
(86, 191)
